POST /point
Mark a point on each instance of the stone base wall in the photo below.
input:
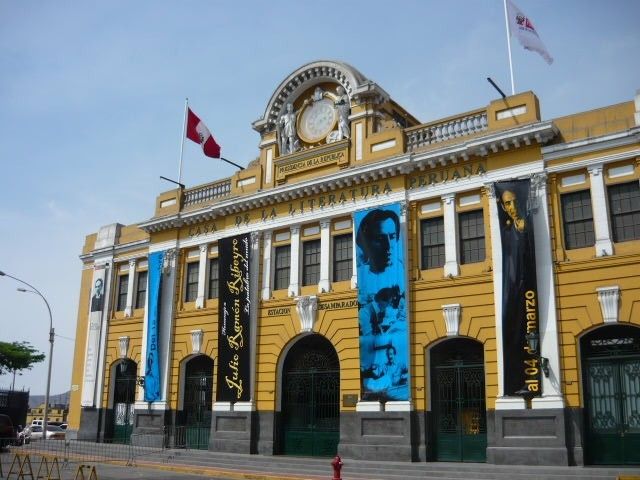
(232, 432)
(91, 420)
(149, 427)
(527, 437)
(379, 435)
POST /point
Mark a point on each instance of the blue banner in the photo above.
(152, 368)
(382, 311)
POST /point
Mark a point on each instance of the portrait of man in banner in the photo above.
(519, 288)
(381, 304)
(97, 299)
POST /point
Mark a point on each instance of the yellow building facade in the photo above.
(315, 373)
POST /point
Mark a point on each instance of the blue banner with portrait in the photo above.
(382, 311)
(152, 367)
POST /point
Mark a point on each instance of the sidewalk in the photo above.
(116, 461)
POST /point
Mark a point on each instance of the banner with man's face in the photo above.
(521, 365)
(92, 352)
(382, 314)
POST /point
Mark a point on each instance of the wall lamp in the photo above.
(533, 341)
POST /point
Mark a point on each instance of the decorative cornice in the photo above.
(590, 145)
(399, 165)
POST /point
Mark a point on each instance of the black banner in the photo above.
(234, 320)
(521, 363)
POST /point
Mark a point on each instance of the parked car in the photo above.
(7, 432)
(35, 433)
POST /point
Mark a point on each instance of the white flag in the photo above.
(522, 27)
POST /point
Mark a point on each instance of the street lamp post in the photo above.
(51, 338)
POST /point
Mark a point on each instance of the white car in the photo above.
(34, 432)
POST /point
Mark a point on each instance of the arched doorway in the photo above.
(124, 398)
(458, 401)
(611, 381)
(310, 398)
(195, 417)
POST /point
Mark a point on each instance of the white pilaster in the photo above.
(266, 266)
(254, 266)
(294, 272)
(202, 275)
(502, 402)
(354, 250)
(604, 246)
(324, 284)
(128, 309)
(547, 321)
(451, 267)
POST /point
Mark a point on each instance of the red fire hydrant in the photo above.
(336, 463)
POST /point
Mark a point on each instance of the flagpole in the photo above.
(184, 131)
(506, 21)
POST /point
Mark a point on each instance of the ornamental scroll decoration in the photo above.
(451, 314)
(196, 340)
(307, 308)
(609, 298)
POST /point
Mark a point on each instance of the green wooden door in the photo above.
(124, 396)
(310, 399)
(458, 402)
(613, 410)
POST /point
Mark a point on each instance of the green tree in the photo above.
(17, 356)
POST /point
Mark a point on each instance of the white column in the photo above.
(324, 285)
(266, 266)
(549, 345)
(354, 250)
(202, 275)
(502, 402)
(128, 310)
(404, 405)
(451, 267)
(294, 273)
(604, 246)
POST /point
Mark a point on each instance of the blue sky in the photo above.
(92, 98)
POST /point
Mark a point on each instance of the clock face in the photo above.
(317, 121)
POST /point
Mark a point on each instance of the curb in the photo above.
(231, 474)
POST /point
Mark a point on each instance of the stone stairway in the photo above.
(280, 467)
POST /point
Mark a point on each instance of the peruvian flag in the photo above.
(199, 133)
(522, 27)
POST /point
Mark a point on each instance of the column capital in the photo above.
(490, 190)
(448, 198)
(204, 247)
(595, 170)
